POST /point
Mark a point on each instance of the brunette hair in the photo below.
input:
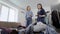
(27, 7)
(40, 5)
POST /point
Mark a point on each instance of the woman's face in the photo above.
(29, 8)
(39, 6)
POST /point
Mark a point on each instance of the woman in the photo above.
(29, 15)
(40, 14)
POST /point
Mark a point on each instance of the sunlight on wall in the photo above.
(58, 1)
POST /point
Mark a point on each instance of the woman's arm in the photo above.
(41, 15)
(31, 14)
(24, 12)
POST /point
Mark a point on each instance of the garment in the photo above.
(14, 32)
(28, 16)
(40, 27)
(55, 19)
(29, 30)
(28, 21)
(41, 19)
(22, 31)
(50, 30)
(4, 31)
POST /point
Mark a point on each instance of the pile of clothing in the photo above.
(38, 27)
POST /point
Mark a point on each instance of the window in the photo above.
(0, 6)
(13, 15)
(0, 9)
(4, 13)
(8, 14)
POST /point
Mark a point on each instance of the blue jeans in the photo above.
(29, 21)
(41, 32)
(22, 32)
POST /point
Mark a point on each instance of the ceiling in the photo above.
(33, 3)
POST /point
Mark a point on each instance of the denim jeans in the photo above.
(29, 21)
(22, 31)
(41, 32)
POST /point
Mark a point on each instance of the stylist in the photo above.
(40, 14)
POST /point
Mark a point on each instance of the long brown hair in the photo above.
(40, 5)
(27, 7)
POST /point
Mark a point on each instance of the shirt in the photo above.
(29, 14)
(41, 12)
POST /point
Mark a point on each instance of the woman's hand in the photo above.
(41, 15)
(30, 15)
(22, 12)
(36, 15)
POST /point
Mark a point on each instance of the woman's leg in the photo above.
(43, 20)
(29, 21)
